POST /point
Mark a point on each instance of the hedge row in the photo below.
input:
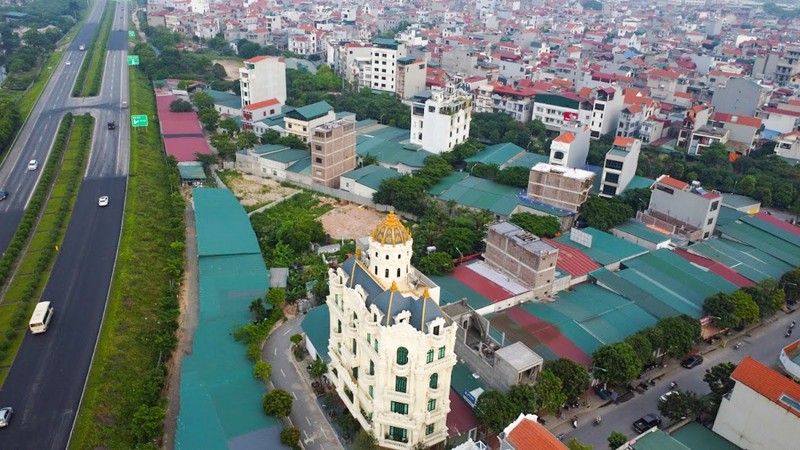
(91, 73)
(68, 178)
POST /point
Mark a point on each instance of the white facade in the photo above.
(620, 166)
(685, 203)
(788, 145)
(391, 347)
(608, 105)
(571, 148)
(440, 122)
(383, 66)
(553, 110)
(263, 78)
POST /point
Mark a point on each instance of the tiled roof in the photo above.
(754, 122)
(624, 141)
(529, 435)
(767, 382)
(566, 138)
(669, 181)
(263, 104)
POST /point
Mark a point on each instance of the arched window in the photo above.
(376, 270)
(434, 383)
(558, 155)
(402, 356)
(398, 271)
(386, 272)
(387, 257)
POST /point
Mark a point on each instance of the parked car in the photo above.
(664, 397)
(5, 416)
(33, 164)
(3, 195)
(103, 201)
(692, 361)
(646, 422)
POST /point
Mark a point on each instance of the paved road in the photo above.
(763, 344)
(306, 414)
(46, 382)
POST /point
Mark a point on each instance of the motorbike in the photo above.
(575, 422)
(736, 347)
(597, 420)
(672, 385)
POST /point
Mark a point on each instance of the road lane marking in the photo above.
(309, 422)
(276, 351)
(295, 397)
(287, 331)
(282, 373)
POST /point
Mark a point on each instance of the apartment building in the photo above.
(571, 147)
(515, 100)
(559, 186)
(333, 151)
(606, 108)
(411, 76)
(636, 111)
(696, 117)
(391, 346)
(682, 208)
(440, 120)
(554, 109)
(263, 78)
(706, 136)
(620, 166)
(259, 111)
(383, 65)
(301, 122)
(745, 131)
(522, 256)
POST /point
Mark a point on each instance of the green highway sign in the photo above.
(131, 33)
(139, 121)
(133, 60)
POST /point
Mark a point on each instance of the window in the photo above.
(339, 326)
(428, 429)
(434, 381)
(710, 221)
(612, 178)
(441, 352)
(402, 356)
(371, 368)
(354, 346)
(436, 330)
(355, 372)
(369, 338)
(558, 155)
(399, 408)
(430, 356)
(376, 344)
(611, 164)
(400, 384)
(318, 160)
(398, 271)
(431, 404)
(398, 434)
(715, 205)
(371, 392)
(609, 190)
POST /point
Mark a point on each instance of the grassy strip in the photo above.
(91, 73)
(34, 269)
(123, 405)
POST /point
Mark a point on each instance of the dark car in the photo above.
(692, 361)
(646, 422)
(3, 195)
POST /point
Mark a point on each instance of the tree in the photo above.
(679, 333)
(258, 310)
(616, 440)
(542, 226)
(262, 370)
(202, 100)
(768, 296)
(714, 155)
(524, 398)
(719, 378)
(247, 139)
(495, 411)
(209, 117)
(616, 363)
(679, 405)
(638, 199)
(290, 436)
(640, 344)
(318, 368)
(365, 440)
(747, 185)
(277, 403)
(604, 214)
(574, 377)
(179, 105)
(549, 391)
(744, 308)
(575, 444)
(459, 241)
(720, 306)
(276, 297)
(369, 160)
(436, 263)
(230, 126)
(790, 282)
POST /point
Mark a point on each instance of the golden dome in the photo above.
(391, 231)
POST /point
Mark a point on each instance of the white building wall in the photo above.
(437, 131)
(749, 420)
(687, 207)
(262, 80)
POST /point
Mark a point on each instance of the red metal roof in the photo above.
(185, 148)
(778, 223)
(669, 181)
(716, 267)
(461, 419)
(572, 260)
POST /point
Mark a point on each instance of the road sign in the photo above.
(139, 121)
(133, 60)
(131, 33)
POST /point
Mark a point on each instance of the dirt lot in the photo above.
(350, 221)
(231, 68)
(257, 191)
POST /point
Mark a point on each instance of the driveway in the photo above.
(307, 416)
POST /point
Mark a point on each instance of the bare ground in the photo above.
(252, 190)
(350, 221)
(231, 68)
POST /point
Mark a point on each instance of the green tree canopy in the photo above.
(604, 214)
(525, 398)
(542, 226)
(549, 391)
(180, 105)
(247, 139)
(437, 263)
(641, 344)
(679, 405)
(230, 126)
(617, 439)
(574, 377)
(209, 117)
(744, 308)
(290, 436)
(769, 297)
(790, 282)
(616, 363)
(721, 307)
(495, 410)
(277, 403)
(276, 297)
(679, 333)
(202, 100)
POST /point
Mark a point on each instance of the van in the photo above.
(41, 317)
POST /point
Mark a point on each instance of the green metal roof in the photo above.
(223, 228)
(557, 100)
(606, 248)
(638, 182)
(497, 154)
(643, 232)
(317, 326)
(287, 156)
(310, 112)
(302, 166)
(528, 160)
(447, 182)
(659, 440)
(738, 201)
(269, 148)
(763, 240)
(372, 175)
(634, 292)
(462, 380)
(618, 152)
(697, 437)
(191, 171)
(452, 290)
(728, 215)
(772, 229)
(748, 261)
(385, 42)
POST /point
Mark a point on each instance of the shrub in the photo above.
(290, 436)
(262, 370)
(277, 403)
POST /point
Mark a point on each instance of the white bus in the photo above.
(41, 317)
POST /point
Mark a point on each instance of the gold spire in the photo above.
(391, 231)
(358, 252)
(394, 286)
(426, 294)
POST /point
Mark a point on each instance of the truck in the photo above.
(82, 47)
(112, 125)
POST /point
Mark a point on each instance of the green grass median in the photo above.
(90, 76)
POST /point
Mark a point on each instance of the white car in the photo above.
(5, 416)
(69, 63)
(33, 164)
(666, 396)
(103, 201)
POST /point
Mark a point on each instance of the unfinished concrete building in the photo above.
(523, 256)
(333, 151)
(559, 186)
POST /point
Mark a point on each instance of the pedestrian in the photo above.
(791, 325)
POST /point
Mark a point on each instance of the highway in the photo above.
(46, 382)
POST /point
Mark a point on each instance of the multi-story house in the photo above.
(512, 66)
(788, 66)
(263, 78)
(391, 346)
(333, 151)
(515, 100)
(554, 109)
(620, 165)
(637, 110)
(705, 137)
(559, 186)
(696, 117)
(683, 208)
(259, 111)
(411, 76)
(571, 147)
(385, 53)
(745, 131)
(606, 109)
(440, 121)
(301, 122)
(522, 256)
(788, 145)
(739, 96)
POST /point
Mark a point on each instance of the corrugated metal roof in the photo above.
(762, 240)
(750, 262)
(317, 326)
(774, 226)
(222, 226)
(606, 248)
(310, 112)
(642, 232)
(497, 154)
(445, 183)
(528, 160)
(286, 156)
(371, 176)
